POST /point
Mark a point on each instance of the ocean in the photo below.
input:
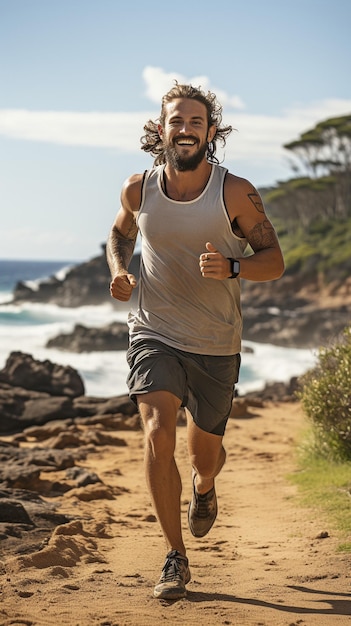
(27, 327)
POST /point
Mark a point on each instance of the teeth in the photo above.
(186, 142)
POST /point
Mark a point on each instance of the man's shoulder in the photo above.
(131, 191)
(134, 180)
(237, 183)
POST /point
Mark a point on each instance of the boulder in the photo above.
(21, 370)
(84, 284)
(113, 336)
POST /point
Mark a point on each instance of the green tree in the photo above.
(324, 152)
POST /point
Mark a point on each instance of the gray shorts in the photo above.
(204, 384)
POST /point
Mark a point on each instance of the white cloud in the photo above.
(117, 130)
(158, 82)
(263, 136)
(259, 138)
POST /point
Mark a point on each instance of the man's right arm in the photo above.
(121, 240)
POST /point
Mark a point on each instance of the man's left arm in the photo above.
(245, 206)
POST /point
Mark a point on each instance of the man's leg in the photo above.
(207, 457)
(206, 453)
(158, 411)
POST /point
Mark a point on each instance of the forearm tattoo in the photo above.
(120, 248)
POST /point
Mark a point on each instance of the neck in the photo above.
(185, 186)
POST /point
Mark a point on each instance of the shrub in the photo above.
(326, 399)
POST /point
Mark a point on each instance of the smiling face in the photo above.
(185, 133)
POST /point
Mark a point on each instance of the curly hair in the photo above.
(151, 141)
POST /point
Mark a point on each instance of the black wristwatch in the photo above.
(234, 267)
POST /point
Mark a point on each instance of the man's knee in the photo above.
(159, 439)
(159, 414)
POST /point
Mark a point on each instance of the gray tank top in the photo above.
(176, 304)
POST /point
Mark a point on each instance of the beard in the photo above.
(184, 163)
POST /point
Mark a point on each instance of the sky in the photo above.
(80, 78)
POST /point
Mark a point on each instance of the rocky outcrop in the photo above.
(21, 370)
(83, 339)
(295, 311)
(84, 284)
(47, 428)
(35, 392)
(304, 327)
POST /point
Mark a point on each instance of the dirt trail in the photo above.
(261, 565)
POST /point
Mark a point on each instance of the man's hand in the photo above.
(122, 285)
(213, 264)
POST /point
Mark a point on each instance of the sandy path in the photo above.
(260, 565)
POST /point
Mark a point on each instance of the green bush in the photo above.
(326, 399)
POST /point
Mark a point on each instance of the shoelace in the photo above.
(172, 568)
(202, 502)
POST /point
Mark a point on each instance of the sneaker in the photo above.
(202, 511)
(175, 575)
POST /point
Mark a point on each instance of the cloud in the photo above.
(258, 139)
(263, 136)
(104, 130)
(158, 82)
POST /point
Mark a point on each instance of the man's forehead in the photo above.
(188, 106)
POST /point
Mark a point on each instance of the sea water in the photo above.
(27, 327)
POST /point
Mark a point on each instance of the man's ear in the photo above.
(160, 130)
(211, 133)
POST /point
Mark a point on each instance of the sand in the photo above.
(264, 562)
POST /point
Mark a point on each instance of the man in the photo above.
(195, 220)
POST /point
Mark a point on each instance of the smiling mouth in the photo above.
(183, 141)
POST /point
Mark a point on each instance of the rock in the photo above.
(82, 477)
(77, 438)
(21, 370)
(41, 433)
(14, 512)
(93, 492)
(66, 427)
(84, 284)
(20, 408)
(42, 410)
(241, 408)
(275, 392)
(32, 522)
(20, 467)
(302, 327)
(323, 535)
(114, 336)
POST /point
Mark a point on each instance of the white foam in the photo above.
(268, 363)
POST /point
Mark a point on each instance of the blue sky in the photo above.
(79, 78)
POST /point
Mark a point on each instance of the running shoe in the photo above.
(202, 511)
(175, 575)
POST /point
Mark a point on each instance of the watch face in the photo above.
(236, 267)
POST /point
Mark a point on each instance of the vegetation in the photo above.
(326, 400)
(312, 211)
(312, 215)
(326, 486)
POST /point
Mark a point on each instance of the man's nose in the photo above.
(185, 127)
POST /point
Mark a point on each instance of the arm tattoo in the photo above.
(256, 201)
(120, 248)
(262, 236)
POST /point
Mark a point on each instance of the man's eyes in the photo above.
(180, 122)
